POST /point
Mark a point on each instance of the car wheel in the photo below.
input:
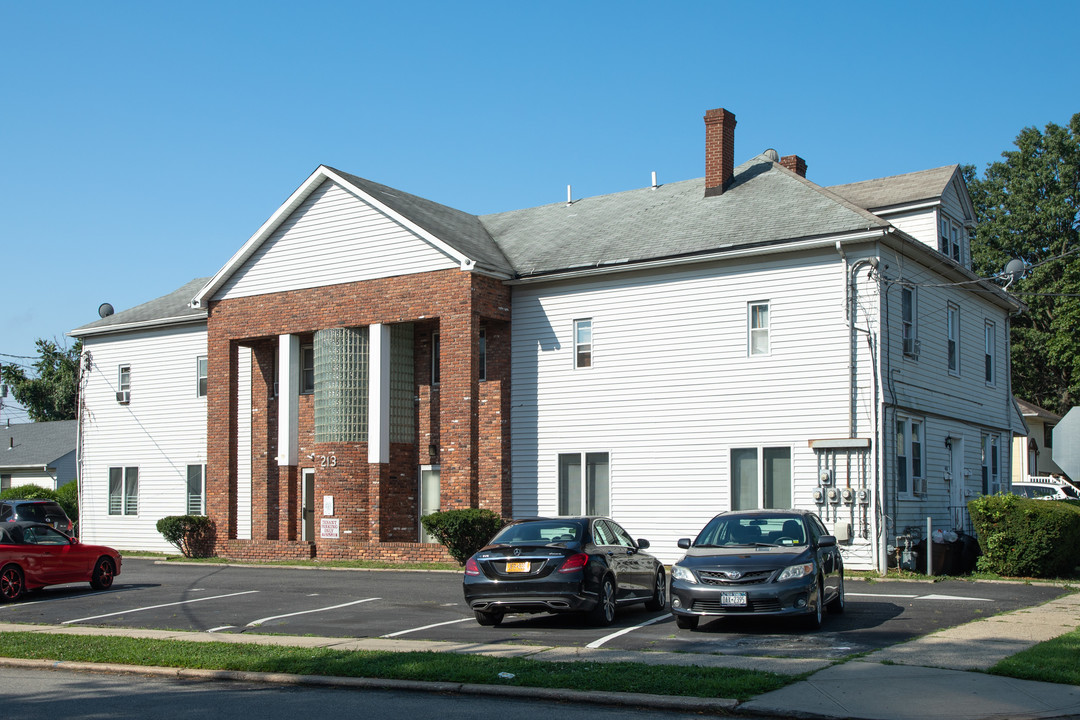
(488, 619)
(815, 619)
(837, 604)
(658, 601)
(11, 583)
(686, 622)
(604, 612)
(104, 572)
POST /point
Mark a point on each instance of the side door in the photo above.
(638, 567)
(62, 561)
(617, 559)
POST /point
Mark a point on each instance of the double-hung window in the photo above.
(910, 470)
(123, 491)
(907, 321)
(991, 482)
(584, 483)
(307, 369)
(196, 490)
(953, 334)
(989, 342)
(758, 328)
(200, 376)
(760, 477)
(950, 239)
(583, 343)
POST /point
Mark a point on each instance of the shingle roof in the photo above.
(898, 189)
(765, 203)
(176, 306)
(1032, 410)
(463, 231)
(33, 444)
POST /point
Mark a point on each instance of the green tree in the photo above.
(1028, 208)
(52, 391)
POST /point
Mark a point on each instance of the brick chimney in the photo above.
(795, 164)
(719, 150)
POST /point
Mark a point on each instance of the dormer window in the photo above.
(951, 239)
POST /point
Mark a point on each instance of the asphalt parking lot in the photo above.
(429, 606)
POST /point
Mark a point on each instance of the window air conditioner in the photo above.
(123, 397)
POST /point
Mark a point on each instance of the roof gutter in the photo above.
(142, 325)
(782, 247)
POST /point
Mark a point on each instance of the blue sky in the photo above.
(141, 144)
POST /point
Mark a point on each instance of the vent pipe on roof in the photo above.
(653, 179)
(569, 200)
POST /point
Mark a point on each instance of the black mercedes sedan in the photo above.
(758, 562)
(568, 564)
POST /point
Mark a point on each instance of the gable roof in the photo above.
(172, 309)
(34, 445)
(765, 204)
(898, 189)
(1034, 411)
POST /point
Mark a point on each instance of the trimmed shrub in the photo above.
(68, 497)
(30, 492)
(193, 535)
(463, 532)
(1021, 537)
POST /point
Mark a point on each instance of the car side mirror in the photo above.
(826, 541)
(684, 543)
(642, 544)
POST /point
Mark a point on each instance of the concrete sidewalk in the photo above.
(931, 677)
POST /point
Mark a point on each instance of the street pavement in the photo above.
(939, 675)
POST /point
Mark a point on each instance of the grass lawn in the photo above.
(1051, 661)
(429, 666)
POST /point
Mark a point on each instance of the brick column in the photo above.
(458, 393)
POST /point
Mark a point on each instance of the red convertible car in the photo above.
(33, 555)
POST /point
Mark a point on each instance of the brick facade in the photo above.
(463, 420)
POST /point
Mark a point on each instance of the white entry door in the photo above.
(429, 497)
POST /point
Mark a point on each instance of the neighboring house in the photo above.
(41, 453)
(1033, 450)
(660, 355)
(143, 415)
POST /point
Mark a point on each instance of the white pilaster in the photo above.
(288, 381)
(379, 394)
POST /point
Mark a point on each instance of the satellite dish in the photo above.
(1014, 270)
(105, 310)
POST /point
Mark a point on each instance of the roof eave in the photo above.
(141, 325)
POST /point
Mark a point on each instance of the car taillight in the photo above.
(471, 568)
(574, 562)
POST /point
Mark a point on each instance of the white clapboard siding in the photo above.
(672, 389)
(334, 237)
(919, 224)
(161, 431)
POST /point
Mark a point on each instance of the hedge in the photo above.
(463, 532)
(1022, 537)
(193, 535)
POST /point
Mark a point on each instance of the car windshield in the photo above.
(782, 530)
(542, 531)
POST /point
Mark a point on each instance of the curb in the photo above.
(600, 697)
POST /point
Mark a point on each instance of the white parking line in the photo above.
(612, 636)
(918, 597)
(222, 627)
(256, 623)
(25, 603)
(155, 607)
(425, 627)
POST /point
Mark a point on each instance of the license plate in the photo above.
(516, 567)
(733, 598)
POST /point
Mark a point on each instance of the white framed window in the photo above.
(584, 483)
(761, 477)
(200, 376)
(436, 351)
(952, 332)
(910, 467)
(989, 345)
(758, 328)
(951, 238)
(908, 315)
(991, 480)
(307, 369)
(583, 343)
(481, 360)
(196, 490)
(123, 491)
(123, 379)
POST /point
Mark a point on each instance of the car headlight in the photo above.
(795, 572)
(678, 572)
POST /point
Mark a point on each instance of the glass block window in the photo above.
(341, 385)
(402, 384)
